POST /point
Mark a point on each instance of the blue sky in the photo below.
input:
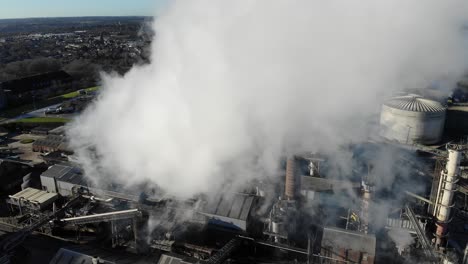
(61, 8)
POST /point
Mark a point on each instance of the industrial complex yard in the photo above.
(235, 132)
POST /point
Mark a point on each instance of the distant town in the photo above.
(72, 51)
(397, 194)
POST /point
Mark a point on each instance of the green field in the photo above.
(43, 120)
(76, 93)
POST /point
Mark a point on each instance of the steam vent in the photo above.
(411, 119)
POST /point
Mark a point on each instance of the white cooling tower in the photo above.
(412, 119)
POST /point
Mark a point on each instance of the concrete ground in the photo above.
(26, 149)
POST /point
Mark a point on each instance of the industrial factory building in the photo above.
(33, 199)
(316, 218)
(65, 178)
(347, 246)
(312, 213)
(230, 211)
(50, 144)
(412, 119)
(89, 255)
(61, 179)
(168, 259)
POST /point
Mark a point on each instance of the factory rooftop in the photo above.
(168, 259)
(233, 209)
(67, 173)
(61, 178)
(91, 255)
(237, 207)
(37, 199)
(322, 184)
(347, 239)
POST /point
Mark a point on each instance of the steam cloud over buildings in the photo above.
(234, 85)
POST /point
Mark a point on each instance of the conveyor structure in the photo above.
(104, 217)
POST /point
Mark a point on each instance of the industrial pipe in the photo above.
(447, 189)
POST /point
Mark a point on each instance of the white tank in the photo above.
(275, 227)
(412, 119)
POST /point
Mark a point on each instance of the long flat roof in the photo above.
(86, 255)
(167, 259)
(66, 173)
(34, 195)
(70, 173)
(341, 238)
(324, 184)
(236, 206)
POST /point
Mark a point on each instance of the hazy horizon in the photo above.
(52, 17)
(28, 9)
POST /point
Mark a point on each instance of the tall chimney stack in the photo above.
(291, 184)
(446, 190)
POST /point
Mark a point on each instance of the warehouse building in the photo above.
(228, 211)
(50, 144)
(172, 259)
(32, 199)
(65, 178)
(94, 255)
(341, 245)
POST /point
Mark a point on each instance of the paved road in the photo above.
(40, 113)
(36, 113)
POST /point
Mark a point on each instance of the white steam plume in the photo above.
(233, 85)
(402, 238)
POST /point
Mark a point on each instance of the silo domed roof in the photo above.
(415, 103)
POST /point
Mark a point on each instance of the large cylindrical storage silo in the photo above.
(411, 119)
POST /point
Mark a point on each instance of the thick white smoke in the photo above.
(233, 85)
(402, 238)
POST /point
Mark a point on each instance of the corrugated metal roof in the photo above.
(415, 103)
(323, 184)
(70, 173)
(341, 238)
(58, 130)
(246, 208)
(51, 141)
(85, 255)
(66, 173)
(236, 206)
(34, 195)
(166, 259)
(399, 223)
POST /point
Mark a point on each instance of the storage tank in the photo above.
(412, 119)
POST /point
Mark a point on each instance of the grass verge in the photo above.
(26, 141)
(40, 120)
(76, 93)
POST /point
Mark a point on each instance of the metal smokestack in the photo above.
(447, 187)
(366, 200)
(291, 182)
